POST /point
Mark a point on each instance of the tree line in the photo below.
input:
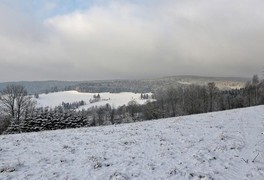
(21, 114)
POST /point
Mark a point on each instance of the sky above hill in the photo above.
(120, 39)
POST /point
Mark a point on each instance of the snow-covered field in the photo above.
(221, 145)
(114, 99)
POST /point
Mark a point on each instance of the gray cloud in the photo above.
(134, 40)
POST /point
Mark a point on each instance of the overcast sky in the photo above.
(120, 39)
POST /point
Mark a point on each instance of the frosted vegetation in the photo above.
(73, 109)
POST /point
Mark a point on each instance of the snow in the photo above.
(220, 145)
(114, 99)
(185, 83)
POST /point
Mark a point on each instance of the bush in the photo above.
(4, 123)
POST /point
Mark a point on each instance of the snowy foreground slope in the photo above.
(221, 145)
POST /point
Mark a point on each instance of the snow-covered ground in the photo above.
(114, 99)
(221, 145)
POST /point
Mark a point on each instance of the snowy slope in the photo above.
(114, 99)
(219, 145)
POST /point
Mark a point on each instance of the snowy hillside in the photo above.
(114, 99)
(221, 145)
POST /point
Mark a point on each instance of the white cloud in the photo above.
(129, 40)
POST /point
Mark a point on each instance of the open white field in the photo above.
(221, 145)
(113, 99)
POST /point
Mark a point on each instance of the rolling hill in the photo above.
(220, 145)
(136, 86)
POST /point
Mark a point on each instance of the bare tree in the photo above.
(204, 96)
(8, 100)
(15, 101)
(100, 113)
(212, 90)
(255, 82)
(172, 97)
(133, 108)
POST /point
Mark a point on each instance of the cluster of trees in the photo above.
(72, 106)
(254, 91)
(170, 102)
(50, 119)
(61, 118)
(114, 86)
(195, 99)
(58, 89)
(145, 96)
(96, 98)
